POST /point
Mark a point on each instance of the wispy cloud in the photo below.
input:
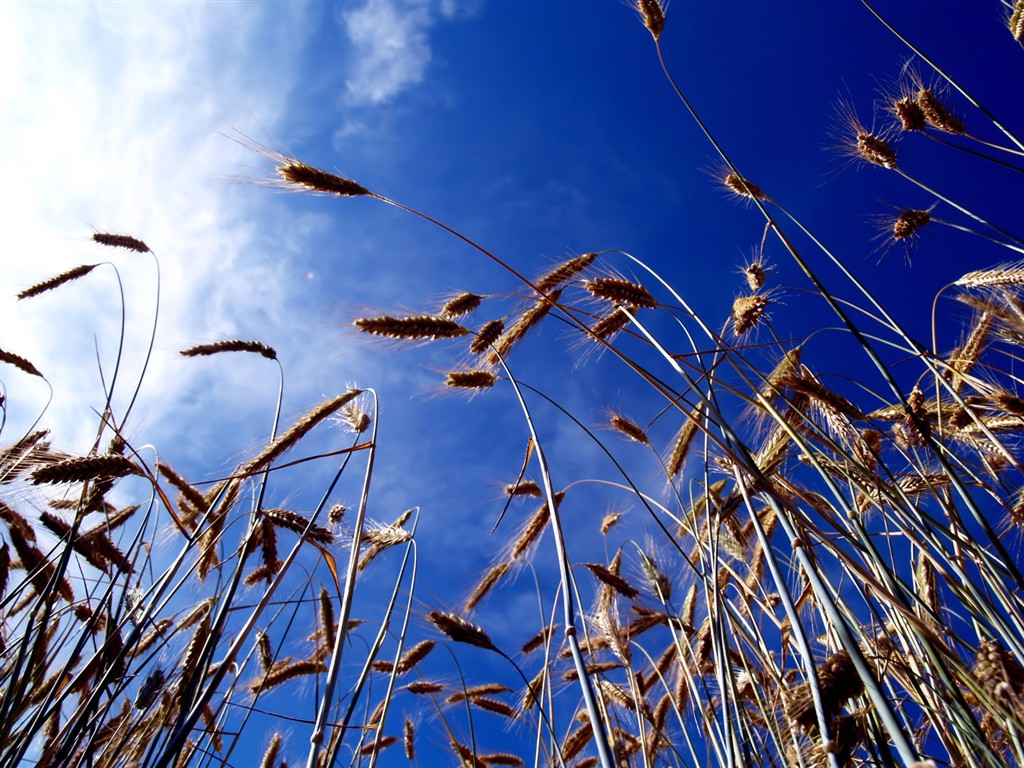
(391, 47)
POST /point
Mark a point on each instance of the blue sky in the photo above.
(540, 129)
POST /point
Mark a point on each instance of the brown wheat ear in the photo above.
(419, 327)
(621, 292)
(523, 488)
(488, 334)
(86, 468)
(936, 113)
(470, 379)
(747, 312)
(609, 325)
(875, 150)
(564, 272)
(909, 113)
(754, 272)
(231, 345)
(298, 174)
(461, 305)
(864, 144)
(629, 428)
(293, 521)
(121, 241)
(1016, 21)
(460, 630)
(58, 281)
(1010, 275)
(652, 12)
(487, 583)
(20, 363)
(271, 753)
(741, 187)
(909, 222)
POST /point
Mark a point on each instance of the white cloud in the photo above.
(390, 49)
(111, 118)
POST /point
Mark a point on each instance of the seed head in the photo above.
(875, 150)
(1016, 21)
(936, 113)
(420, 327)
(909, 113)
(747, 312)
(652, 12)
(460, 630)
(120, 241)
(908, 222)
(231, 345)
(461, 305)
(486, 336)
(620, 292)
(56, 282)
(740, 187)
(306, 177)
(470, 379)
